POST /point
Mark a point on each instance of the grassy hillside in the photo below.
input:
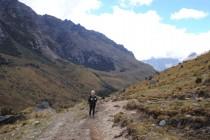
(179, 97)
(24, 81)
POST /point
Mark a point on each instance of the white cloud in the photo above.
(185, 13)
(145, 34)
(62, 8)
(142, 33)
(140, 2)
(126, 3)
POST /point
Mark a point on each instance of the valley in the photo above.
(48, 67)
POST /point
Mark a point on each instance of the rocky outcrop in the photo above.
(8, 119)
(57, 39)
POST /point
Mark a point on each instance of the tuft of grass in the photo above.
(144, 130)
(122, 119)
(6, 111)
(132, 104)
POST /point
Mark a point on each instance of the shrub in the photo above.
(198, 80)
(139, 131)
(150, 77)
(118, 117)
(179, 88)
(132, 104)
(6, 111)
(121, 119)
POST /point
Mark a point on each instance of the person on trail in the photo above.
(92, 103)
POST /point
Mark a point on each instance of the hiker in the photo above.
(92, 103)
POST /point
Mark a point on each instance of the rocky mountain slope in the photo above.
(45, 58)
(172, 105)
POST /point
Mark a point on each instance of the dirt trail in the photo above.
(71, 126)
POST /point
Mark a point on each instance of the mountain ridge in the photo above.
(162, 64)
(58, 60)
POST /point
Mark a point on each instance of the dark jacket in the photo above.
(92, 100)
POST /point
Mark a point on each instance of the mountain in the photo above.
(191, 56)
(173, 104)
(161, 64)
(45, 58)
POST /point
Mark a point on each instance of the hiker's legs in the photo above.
(90, 109)
(94, 106)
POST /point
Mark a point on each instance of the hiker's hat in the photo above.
(92, 92)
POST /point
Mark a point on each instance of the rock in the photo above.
(9, 119)
(43, 105)
(199, 99)
(188, 115)
(153, 125)
(3, 61)
(1, 34)
(187, 128)
(36, 123)
(149, 101)
(162, 123)
(195, 104)
(119, 135)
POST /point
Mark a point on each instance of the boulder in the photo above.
(43, 105)
(162, 123)
(8, 119)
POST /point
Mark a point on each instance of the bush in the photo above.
(121, 119)
(150, 77)
(198, 80)
(6, 111)
(139, 131)
(132, 104)
(179, 88)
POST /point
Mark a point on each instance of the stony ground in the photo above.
(74, 124)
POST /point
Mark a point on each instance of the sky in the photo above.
(148, 28)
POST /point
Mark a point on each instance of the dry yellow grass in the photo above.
(25, 82)
(179, 95)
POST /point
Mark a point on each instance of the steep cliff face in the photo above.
(62, 52)
(64, 39)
